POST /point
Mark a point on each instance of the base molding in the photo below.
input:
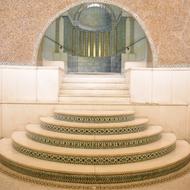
(73, 186)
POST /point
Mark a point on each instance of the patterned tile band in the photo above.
(94, 179)
(93, 144)
(94, 119)
(94, 131)
(93, 160)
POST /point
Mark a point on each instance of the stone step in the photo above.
(93, 86)
(94, 116)
(94, 79)
(94, 156)
(133, 126)
(36, 133)
(94, 93)
(95, 100)
(95, 75)
(96, 107)
(95, 174)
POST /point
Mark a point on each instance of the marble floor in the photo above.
(182, 182)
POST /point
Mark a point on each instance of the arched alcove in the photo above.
(151, 55)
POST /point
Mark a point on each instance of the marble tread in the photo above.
(93, 86)
(91, 92)
(91, 79)
(150, 131)
(135, 122)
(97, 107)
(94, 75)
(166, 140)
(94, 100)
(91, 95)
(94, 113)
(181, 152)
(94, 89)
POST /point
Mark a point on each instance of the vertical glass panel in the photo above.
(91, 44)
(84, 49)
(88, 44)
(80, 43)
(94, 44)
(97, 44)
(102, 44)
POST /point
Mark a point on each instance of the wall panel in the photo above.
(19, 84)
(161, 86)
(180, 87)
(172, 118)
(141, 86)
(47, 85)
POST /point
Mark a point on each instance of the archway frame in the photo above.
(78, 2)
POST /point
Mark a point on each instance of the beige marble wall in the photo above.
(173, 118)
(16, 116)
(23, 22)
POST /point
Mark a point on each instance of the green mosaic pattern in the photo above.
(93, 144)
(94, 119)
(94, 160)
(94, 179)
(94, 131)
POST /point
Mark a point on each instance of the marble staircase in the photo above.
(94, 92)
(102, 146)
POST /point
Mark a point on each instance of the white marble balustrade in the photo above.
(28, 84)
(160, 86)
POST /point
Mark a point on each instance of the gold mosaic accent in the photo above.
(94, 160)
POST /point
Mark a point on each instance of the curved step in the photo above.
(93, 174)
(94, 156)
(133, 126)
(36, 133)
(94, 116)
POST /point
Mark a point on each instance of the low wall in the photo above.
(27, 93)
(160, 86)
(28, 84)
(163, 95)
